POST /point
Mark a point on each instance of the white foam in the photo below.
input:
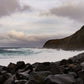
(41, 55)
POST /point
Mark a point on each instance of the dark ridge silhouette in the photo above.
(73, 42)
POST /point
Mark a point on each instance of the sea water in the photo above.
(32, 55)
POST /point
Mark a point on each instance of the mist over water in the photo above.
(32, 55)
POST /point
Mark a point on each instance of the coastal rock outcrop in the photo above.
(73, 42)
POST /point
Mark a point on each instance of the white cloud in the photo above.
(39, 24)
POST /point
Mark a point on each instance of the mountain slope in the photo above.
(73, 42)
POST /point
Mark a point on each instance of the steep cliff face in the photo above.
(73, 42)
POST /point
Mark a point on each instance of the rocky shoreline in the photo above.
(69, 71)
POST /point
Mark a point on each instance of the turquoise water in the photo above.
(32, 55)
(9, 52)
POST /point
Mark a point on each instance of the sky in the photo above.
(30, 23)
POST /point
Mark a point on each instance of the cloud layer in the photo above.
(36, 29)
(10, 6)
(19, 39)
(71, 9)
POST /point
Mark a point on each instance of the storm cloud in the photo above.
(72, 9)
(8, 7)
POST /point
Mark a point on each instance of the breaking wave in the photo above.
(32, 55)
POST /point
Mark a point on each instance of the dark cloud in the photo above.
(10, 6)
(71, 10)
(25, 7)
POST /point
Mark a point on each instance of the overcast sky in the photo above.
(30, 23)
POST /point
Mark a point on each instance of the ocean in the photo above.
(32, 55)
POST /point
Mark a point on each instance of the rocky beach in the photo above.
(41, 42)
(70, 71)
(66, 71)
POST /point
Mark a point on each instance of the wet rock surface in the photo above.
(70, 71)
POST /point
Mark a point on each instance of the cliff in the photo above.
(73, 42)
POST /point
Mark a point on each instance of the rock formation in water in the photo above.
(73, 42)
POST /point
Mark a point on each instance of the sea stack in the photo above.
(73, 42)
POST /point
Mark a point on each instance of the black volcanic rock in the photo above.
(73, 42)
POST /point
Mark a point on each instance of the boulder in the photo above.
(38, 77)
(4, 77)
(20, 65)
(52, 67)
(20, 81)
(9, 80)
(81, 74)
(75, 67)
(28, 67)
(11, 68)
(22, 75)
(63, 62)
(78, 58)
(32, 82)
(60, 79)
(2, 68)
(41, 67)
(82, 65)
(79, 81)
(70, 61)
